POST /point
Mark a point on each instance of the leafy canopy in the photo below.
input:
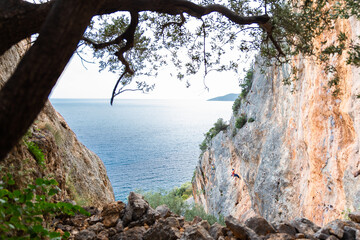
(202, 43)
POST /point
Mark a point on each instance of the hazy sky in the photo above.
(77, 82)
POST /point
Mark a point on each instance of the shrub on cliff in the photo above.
(241, 121)
(219, 125)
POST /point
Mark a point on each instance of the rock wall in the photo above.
(300, 156)
(80, 173)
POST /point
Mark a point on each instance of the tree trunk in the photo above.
(25, 93)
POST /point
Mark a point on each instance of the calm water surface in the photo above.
(145, 144)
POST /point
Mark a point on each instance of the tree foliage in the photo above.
(138, 37)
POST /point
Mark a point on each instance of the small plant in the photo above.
(26, 213)
(198, 210)
(36, 152)
(250, 120)
(219, 126)
(241, 121)
(236, 105)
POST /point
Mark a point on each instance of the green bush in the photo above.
(36, 152)
(241, 121)
(219, 126)
(236, 105)
(199, 211)
(27, 213)
(250, 120)
(175, 200)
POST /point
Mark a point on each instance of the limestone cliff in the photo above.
(300, 155)
(81, 173)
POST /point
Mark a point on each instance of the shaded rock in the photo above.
(85, 235)
(172, 222)
(279, 236)
(259, 225)
(196, 220)
(240, 230)
(135, 209)
(94, 219)
(300, 235)
(119, 226)
(355, 216)
(163, 210)
(111, 213)
(64, 228)
(285, 227)
(162, 231)
(103, 235)
(216, 230)
(135, 233)
(98, 227)
(332, 237)
(303, 225)
(205, 225)
(92, 210)
(196, 232)
(333, 228)
(350, 233)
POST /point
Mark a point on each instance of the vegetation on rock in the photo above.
(219, 126)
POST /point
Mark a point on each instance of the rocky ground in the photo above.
(137, 220)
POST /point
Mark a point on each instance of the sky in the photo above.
(79, 82)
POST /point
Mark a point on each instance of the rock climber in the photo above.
(212, 167)
(233, 174)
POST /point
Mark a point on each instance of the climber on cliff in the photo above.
(233, 174)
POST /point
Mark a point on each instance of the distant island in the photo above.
(227, 97)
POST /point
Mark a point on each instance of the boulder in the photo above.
(135, 209)
(111, 213)
(240, 230)
(98, 227)
(135, 233)
(334, 228)
(163, 210)
(172, 222)
(85, 235)
(259, 225)
(285, 227)
(94, 219)
(196, 232)
(355, 216)
(303, 225)
(161, 230)
(279, 236)
(216, 230)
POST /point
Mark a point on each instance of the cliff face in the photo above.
(80, 173)
(299, 156)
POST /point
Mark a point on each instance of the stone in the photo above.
(111, 213)
(135, 233)
(94, 219)
(135, 209)
(85, 235)
(103, 235)
(259, 225)
(119, 226)
(355, 216)
(285, 227)
(96, 227)
(172, 222)
(205, 225)
(303, 225)
(299, 235)
(332, 237)
(350, 233)
(196, 232)
(279, 236)
(162, 231)
(196, 220)
(332, 228)
(216, 230)
(163, 210)
(240, 230)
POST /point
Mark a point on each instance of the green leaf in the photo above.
(39, 181)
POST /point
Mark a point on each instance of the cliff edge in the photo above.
(300, 155)
(80, 173)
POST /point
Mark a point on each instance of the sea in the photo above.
(146, 145)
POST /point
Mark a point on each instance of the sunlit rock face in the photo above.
(300, 155)
(80, 173)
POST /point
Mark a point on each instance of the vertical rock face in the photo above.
(80, 173)
(300, 155)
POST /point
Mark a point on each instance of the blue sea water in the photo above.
(144, 144)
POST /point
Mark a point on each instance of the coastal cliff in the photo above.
(300, 157)
(80, 173)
